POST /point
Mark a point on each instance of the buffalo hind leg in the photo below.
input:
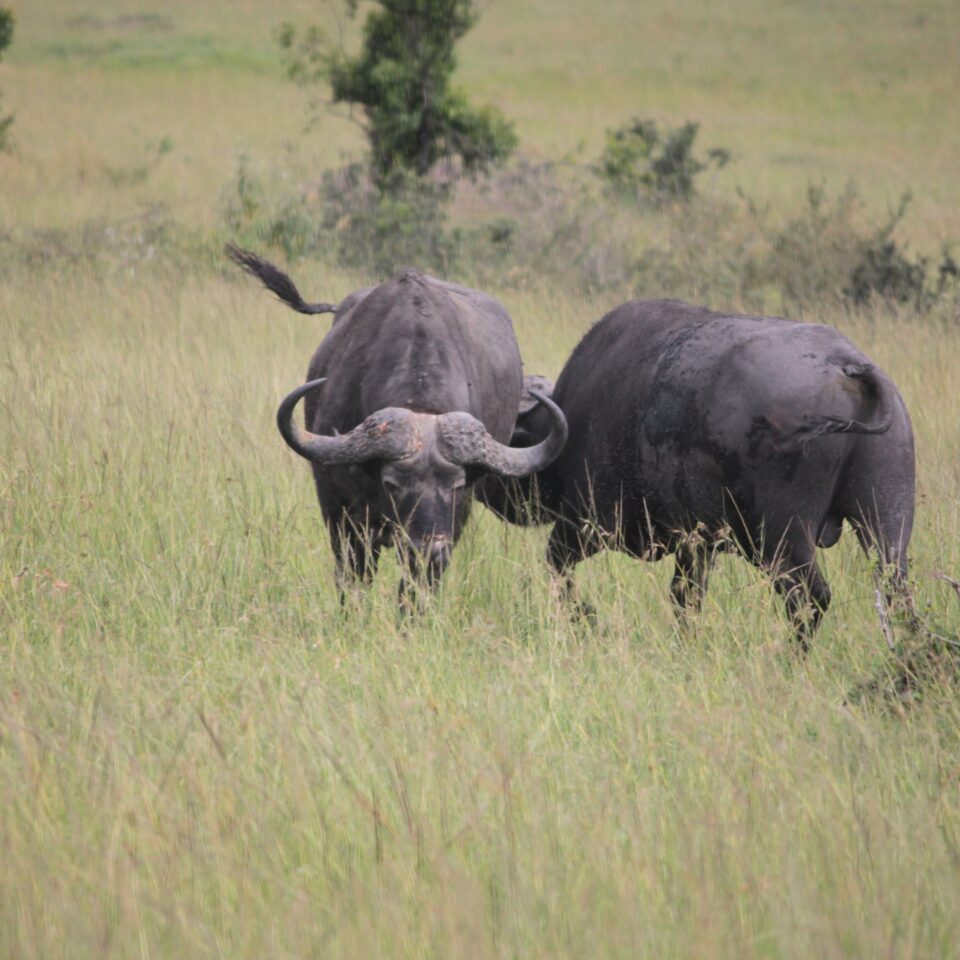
(567, 546)
(690, 576)
(806, 594)
(890, 574)
(879, 502)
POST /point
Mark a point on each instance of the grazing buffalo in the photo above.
(692, 430)
(421, 388)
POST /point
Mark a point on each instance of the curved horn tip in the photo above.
(472, 444)
(294, 395)
(289, 402)
(559, 416)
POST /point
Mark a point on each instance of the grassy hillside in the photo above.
(798, 90)
(202, 755)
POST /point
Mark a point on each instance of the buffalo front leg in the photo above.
(806, 594)
(355, 556)
(418, 578)
(690, 576)
(567, 546)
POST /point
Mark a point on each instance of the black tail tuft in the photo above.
(274, 280)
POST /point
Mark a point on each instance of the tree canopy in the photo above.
(402, 79)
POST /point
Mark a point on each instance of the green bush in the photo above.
(829, 252)
(641, 161)
(885, 271)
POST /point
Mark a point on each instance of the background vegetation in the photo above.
(6, 38)
(201, 755)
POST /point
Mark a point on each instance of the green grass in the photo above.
(201, 754)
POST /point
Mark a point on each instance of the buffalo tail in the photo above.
(818, 426)
(275, 280)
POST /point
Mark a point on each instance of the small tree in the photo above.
(402, 80)
(6, 36)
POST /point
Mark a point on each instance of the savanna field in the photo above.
(203, 755)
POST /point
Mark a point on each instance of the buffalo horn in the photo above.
(469, 443)
(384, 435)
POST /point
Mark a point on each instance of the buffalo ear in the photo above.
(527, 400)
(524, 434)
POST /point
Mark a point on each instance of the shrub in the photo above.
(549, 223)
(384, 227)
(811, 257)
(345, 217)
(640, 161)
(885, 271)
(706, 256)
(543, 222)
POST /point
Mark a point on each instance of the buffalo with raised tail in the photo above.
(692, 431)
(411, 399)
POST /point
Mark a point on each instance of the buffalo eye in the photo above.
(391, 486)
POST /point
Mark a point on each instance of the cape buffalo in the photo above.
(691, 430)
(421, 387)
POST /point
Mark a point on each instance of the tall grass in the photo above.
(203, 755)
